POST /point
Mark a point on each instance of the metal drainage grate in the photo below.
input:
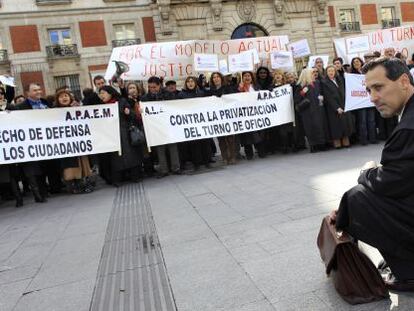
(132, 274)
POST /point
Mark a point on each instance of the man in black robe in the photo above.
(380, 209)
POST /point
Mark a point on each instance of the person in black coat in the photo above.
(379, 210)
(255, 138)
(366, 124)
(32, 170)
(340, 123)
(76, 170)
(156, 93)
(199, 151)
(311, 110)
(218, 87)
(115, 167)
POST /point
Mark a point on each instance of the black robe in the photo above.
(380, 209)
(334, 98)
(313, 118)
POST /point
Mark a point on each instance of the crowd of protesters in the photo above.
(321, 123)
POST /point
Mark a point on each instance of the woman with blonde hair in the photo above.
(310, 107)
(278, 78)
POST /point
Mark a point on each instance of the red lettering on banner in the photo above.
(225, 48)
(377, 38)
(188, 50)
(206, 47)
(276, 45)
(138, 51)
(153, 50)
(242, 47)
(359, 93)
(250, 45)
(189, 69)
(259, 46)
(180, 68)
(161, 56)
(198, 48)
(178, 49)
(126, 55)
(171, 69)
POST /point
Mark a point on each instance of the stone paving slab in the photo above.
(248, 232)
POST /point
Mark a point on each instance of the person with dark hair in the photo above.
(250, 139)
(197, 151)
(32, 170)
(76, 170)
(99, 81)
(379, 210)
(366, 125)
(347, 68)
(411, 62)
(90, 97)
(18, 99)
(218, 87)
(115, 167)
(155, 93)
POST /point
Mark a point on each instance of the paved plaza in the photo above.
(234, 238)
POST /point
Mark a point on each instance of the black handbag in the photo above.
(136, 136)
(303, 105)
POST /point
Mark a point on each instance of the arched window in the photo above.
(249, 30)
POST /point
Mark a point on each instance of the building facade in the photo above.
(67, 42)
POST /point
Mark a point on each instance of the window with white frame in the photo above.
(60, 36)
(124, 31)
(346, 15)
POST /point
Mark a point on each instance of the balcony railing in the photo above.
(390, 23)
(51, 2)
(62, 51)
(350, 27)
(117, 43)
(4, 57)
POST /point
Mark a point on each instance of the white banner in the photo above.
(7, 80)
(174, 60)
(206, 62)
(282, 60)
(299, 48)
(33, 135)
(356, 95)
(174, 121)
(399, 38)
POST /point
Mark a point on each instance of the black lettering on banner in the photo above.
(13, 153)
(59, 149)
(35, 134)
(191, 132)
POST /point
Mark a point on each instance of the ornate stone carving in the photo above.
(246, 9)
(216, 7)
(279, 12)
(164, 6)
(321, 10)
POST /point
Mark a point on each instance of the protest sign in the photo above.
(33, 135)
(356, 95)
(224, 68)
(205, 62)
(282, 59)
(400, 38)
(241, 62)
(174, 60)
(357, 44)
(6, 80)
(325, 59)
(299, 48)
(168, 122)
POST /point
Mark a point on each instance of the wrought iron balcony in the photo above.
(117, 43)
(52, 2)
(350, 27)
(62, 51)
(4, 57)
(390, 23)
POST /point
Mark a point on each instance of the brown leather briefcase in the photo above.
(355, 277)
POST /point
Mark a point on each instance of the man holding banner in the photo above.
(379, 210)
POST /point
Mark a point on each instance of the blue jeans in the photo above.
(366, 125)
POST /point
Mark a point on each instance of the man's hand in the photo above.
(340, 111)
(332, 217)
(126, 111)
(368, 165)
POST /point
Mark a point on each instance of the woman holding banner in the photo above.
(227, 144)
(76, 170)
(247, 140)
(199, 151)
(366, 124)
(113, 166)
(310, 108)
(340, 123)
